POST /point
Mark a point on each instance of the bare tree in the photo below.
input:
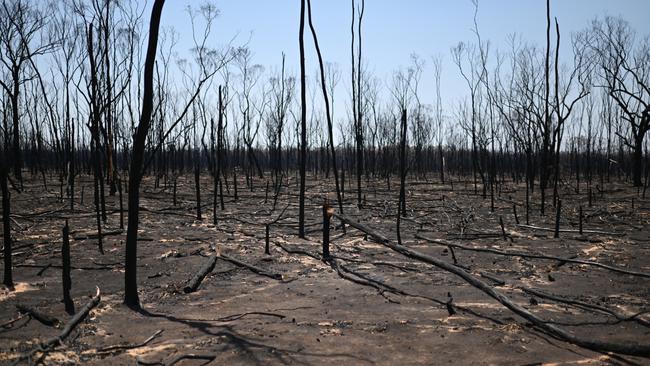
(357, 98)
(328, 112)
(623, 65)
(468, 61)
(402, 92)
(21, 40)
(438, 118)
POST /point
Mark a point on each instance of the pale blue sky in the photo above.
(395, 29)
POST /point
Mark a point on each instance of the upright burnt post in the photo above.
(327, 214)
(267, 250)
(67, 281)
(197, 184)
(119, 190)
(557, 218)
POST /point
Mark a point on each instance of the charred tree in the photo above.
(131, 298)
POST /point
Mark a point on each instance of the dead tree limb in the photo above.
(190, 356)
(534, 256)
(259, 271)
(359, 226)
(588, 306)
(96, 236)
(10, 322)
(78, 318)
(599, 232)
(44, 319)
(121, 347)
(629, 348)
(195, 281)
(298, 251)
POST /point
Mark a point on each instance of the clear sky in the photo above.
(393, 30)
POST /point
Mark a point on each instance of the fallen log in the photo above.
(44, 319)
(534, 256)
(195, 281)
(78, 318)
(628, 348)
(259, 271)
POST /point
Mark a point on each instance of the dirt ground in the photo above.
(312, 315)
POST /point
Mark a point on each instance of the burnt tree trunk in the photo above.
(131, 298)
(6, 225)
(65, 272)
(401, 206)
(303, 123)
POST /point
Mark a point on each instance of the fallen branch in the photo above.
(533, 256)
(95, 235)
(233, 317)
(628, 348)
(570, 230)
(585, 305)
(298, 251)
(497, 281)
(121, 347)
(58, 266)
(382, 287)
(78, 318)
(10, 322)
(190, 356)
(379, 237)
(195, 282)
(40, 273)
(259, 271)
